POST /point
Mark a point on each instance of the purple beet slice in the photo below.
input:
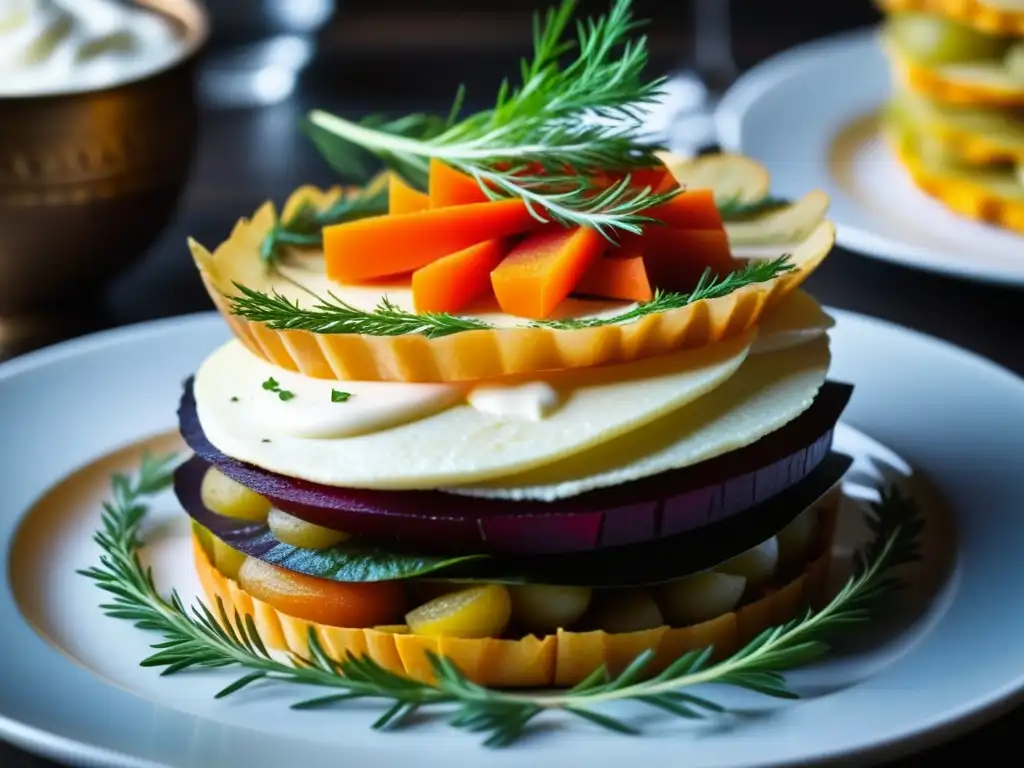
(650, 508)
(651, 562)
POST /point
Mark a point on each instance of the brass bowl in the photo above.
(89, 179)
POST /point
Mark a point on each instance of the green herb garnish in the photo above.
(271, 385)
(304, 229)
(285, 395)
(545, 139)
(193, 638)
(234, 399)
(737, 210)
(340, 397)
(332, 315)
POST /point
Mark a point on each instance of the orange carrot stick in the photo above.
(458, 279)
(620, 274)
(404, 199)
(361, 250)
(693, 209)
(448, 187)
(544, 268)
(676, 258)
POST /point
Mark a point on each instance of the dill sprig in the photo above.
(738, 210)
(304, 228)
(546, 139)
(204, 638)
(331, 315)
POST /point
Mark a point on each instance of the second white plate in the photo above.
(810, 115)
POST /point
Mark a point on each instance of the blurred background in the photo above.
(261, 65)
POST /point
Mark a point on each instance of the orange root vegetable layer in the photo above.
(483, 354)
(561, 659)
(543, 269)
(326, 602)
(694, 209)
(404, 199)
(457, 280)
(450, 187)
(391, 245)
(973, 13)
(935, 84)
(618, 275)
(676, 258)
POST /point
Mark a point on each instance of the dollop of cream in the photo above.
(531, 401)
(50, 46)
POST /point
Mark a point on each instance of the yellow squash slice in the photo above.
(975, 135)
(980, 84)
(509, 347)
(993, 17)
(560, 659)
(993, 196)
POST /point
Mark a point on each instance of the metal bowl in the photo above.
(89, 179)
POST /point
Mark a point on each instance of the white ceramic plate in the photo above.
(810, 115)
(79, 695)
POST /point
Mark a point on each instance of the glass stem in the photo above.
(712, 47)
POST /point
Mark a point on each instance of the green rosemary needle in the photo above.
(201, 638)
(331, 315)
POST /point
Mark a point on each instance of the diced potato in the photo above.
(205, 538)
(221, 494)
(289, 529)
(475, 612)
(227, 560)
(335, 603)
(700, 597)
(543, 609)
(795, 540)
(757, 565)
(627, 610)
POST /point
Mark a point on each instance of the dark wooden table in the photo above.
(246, 157)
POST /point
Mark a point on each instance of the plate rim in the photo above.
(763, 77)
(969, 716)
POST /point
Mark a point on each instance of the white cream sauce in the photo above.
(49, 46)
(532, 401)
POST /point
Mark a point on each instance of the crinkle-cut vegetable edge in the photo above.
(972, 13)
(967, 199)
(935, 85)
(561, 659)
(492, 353)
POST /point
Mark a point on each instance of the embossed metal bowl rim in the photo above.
(191, 15)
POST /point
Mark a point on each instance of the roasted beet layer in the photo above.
(651, 562)
(643, 510)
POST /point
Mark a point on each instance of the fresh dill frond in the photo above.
(545, 139)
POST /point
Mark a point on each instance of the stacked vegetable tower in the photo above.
(518, 401)
(956, 119)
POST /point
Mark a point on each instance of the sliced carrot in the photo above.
(448, 187)
(458, 279)
(361, 250)
(404, 199)
(676, 258)
(693, 209)
(620, 274)
(544, 268)
(659, 179)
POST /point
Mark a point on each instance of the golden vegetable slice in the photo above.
(467, 613)
(996, 197)
(976, 135)
(979, 84)
(988, 17)
(510, 347)
(562, 658)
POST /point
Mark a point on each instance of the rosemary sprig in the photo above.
(194, 639)
(540, 142)
(304, 228)
(332, 315)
